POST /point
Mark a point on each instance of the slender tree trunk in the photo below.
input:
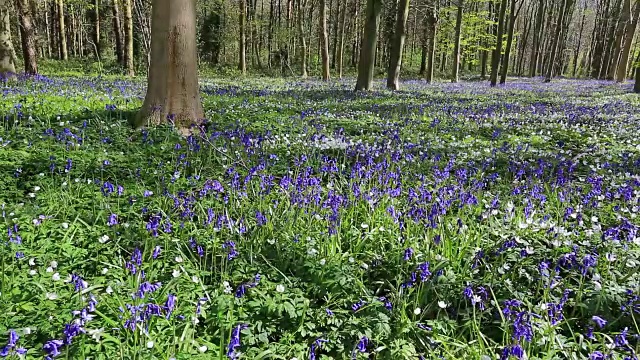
(369, 44)
(556, 42)
(117, 30)
(336, 33)
(242, 61)
(507, 53)
(537, 39)
(456, 47)
(96, 28)
(128, 37)
(497, 52)
(324, 41)
(630, 30)
(62, 31)
(340, 53)
(173, 91)
(636, 87)
(303, 40)
(27, 33)
(48, 34)
(7, 51)
(395, 58)
(579, 46)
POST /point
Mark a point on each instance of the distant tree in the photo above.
(556, 42)
(117, 30)
(242, 42)
(62, 31)
(128, 37)
(172, 86)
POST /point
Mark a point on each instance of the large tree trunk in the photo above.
(512, 23)
(456, 47)
(62, 31)
(556, 42)
(172, 91)
(395, 58)
(242, 61)
(117, 30)
(128, 37)
(324, 41)
(366, 64)
(623, 24)
(630, 30)
(27, 33)
(7, 52)
(497, 52)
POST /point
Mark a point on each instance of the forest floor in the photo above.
(312, 222)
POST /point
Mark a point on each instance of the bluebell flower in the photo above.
(408, 253)
(597, 355)
(113, 220)
(156, 252)
(170, 305)
(315, 346)
(599, 321)
(234, 341)
(52, 348)
(363, 344)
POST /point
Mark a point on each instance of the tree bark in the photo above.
(7, 51)
(456, 47)
(395, 58)
(366, 64)
(324, 41)
(342, 29)
(117, 30)
(303, 40)
(96, 29)
(29, 54)
(62, 31)
(636, 87)
(512, 22)
(128, 37)
(242, 61)
(555, 42)
(630, 30)
(497, 52)
(623, 24)
(172, 91)
(537, 39)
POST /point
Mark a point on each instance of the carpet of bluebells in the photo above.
(306, 221)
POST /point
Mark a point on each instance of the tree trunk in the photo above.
(507, 53)
(242, 52)
(117, 30)
(395, 58)
(555, 42)
(324, 41)
(537, 39)
(340, 51)
(7, 52)
(62, 32)
(128, 37)
(303, 40)
(366, 63)
(636, 87)
(497, 52)
(623, 24)
(336, 33)
(172, 91)
(27, 34)
(630, 30)
(579, 46)
(96, 29)
(456, 47)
